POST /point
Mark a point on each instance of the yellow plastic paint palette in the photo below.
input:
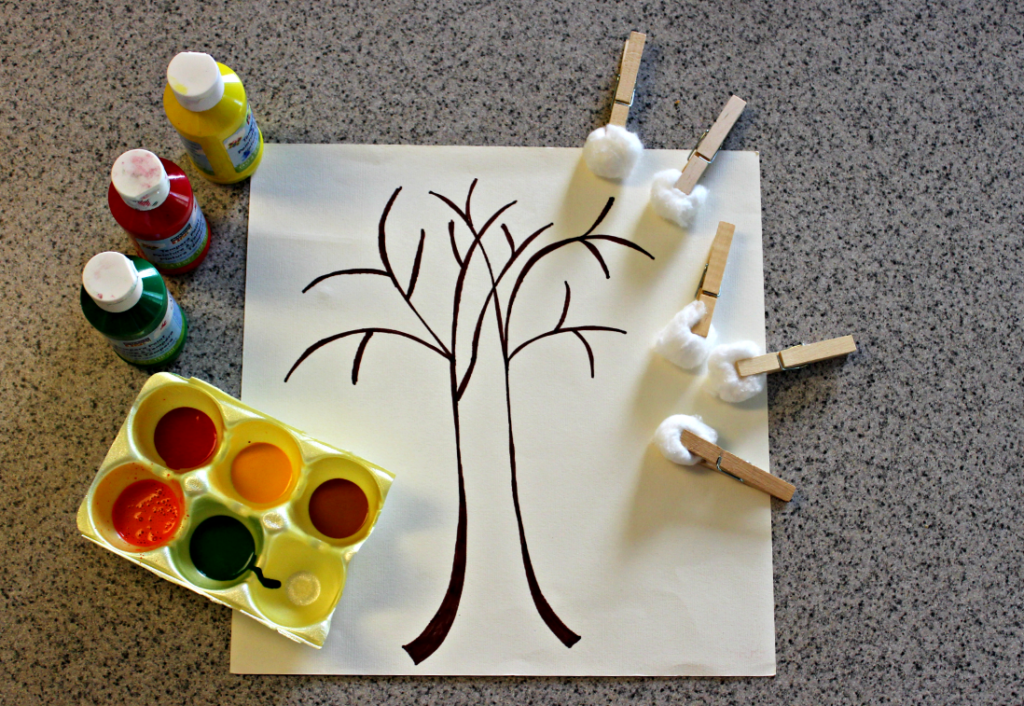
(222, 499)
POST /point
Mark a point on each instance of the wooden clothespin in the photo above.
(711, 282)
(718, 459)
(628, 69)
(709, 144)
(796, 357)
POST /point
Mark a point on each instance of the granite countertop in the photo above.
(891, 172)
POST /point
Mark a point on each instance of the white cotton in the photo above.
(612, 151)
(679, 344)
(672, 204)
(724, 381)
(669, 439)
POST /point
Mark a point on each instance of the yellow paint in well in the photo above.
(261, 473)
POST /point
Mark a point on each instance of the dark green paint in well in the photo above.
(222, 548)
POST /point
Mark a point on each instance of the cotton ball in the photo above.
(672, 204)
(612, 151)
(724, 380)
(679, 344)
(668, 438)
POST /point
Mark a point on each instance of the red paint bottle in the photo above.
(151, 198)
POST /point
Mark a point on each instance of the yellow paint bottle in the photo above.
(205, 102)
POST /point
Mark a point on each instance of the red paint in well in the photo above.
(185, 438)
(338, 508)
(147, 513)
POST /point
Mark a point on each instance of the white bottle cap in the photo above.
(195, 79)
(112, 281)
(141, 180)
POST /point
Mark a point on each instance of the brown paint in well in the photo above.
(338, 508)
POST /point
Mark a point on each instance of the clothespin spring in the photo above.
(718, 467)
(697, 147)
(700, 285)
(782, 365)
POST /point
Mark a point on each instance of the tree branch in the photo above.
(604, 212)
(621, 241)
(565, 308)
(508, 237)
(494, 293)
(460, 282)
(469, 197)
(469, 221)
(548, 249)
(475, 346)
(455, 248)
(382, 244)
(600, 260)
(359, 356)
(416, 263)
(357, 271)
(382, 249)
(330, 339)
(555, 332)
(590, 351)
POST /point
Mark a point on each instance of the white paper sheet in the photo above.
(660, 570)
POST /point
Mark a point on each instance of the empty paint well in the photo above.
(313, 579)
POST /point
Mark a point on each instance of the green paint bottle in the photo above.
(126, 300)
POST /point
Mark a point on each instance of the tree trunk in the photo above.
(437, 629)
(554, 623)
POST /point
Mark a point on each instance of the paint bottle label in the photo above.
(195, 151)
(181, 249)
(243, 144)
(159, 344)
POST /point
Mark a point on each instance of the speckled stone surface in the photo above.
(892, 172)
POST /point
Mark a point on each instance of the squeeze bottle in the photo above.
(205, 102)
(125, 299)
(152, 200)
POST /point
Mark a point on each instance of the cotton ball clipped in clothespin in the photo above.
(689, 336)
(668, 438)
(675, 194)
(679, 344)
(672, 204)
(688, 441)
(725, 381)
(612, 151)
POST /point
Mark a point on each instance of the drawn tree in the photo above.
(434, 634)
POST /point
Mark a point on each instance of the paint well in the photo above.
(147, 513)
(338, 508)
(261, 473)
(185, 438)
(222, 548)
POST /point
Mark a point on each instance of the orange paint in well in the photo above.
(261, 473)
